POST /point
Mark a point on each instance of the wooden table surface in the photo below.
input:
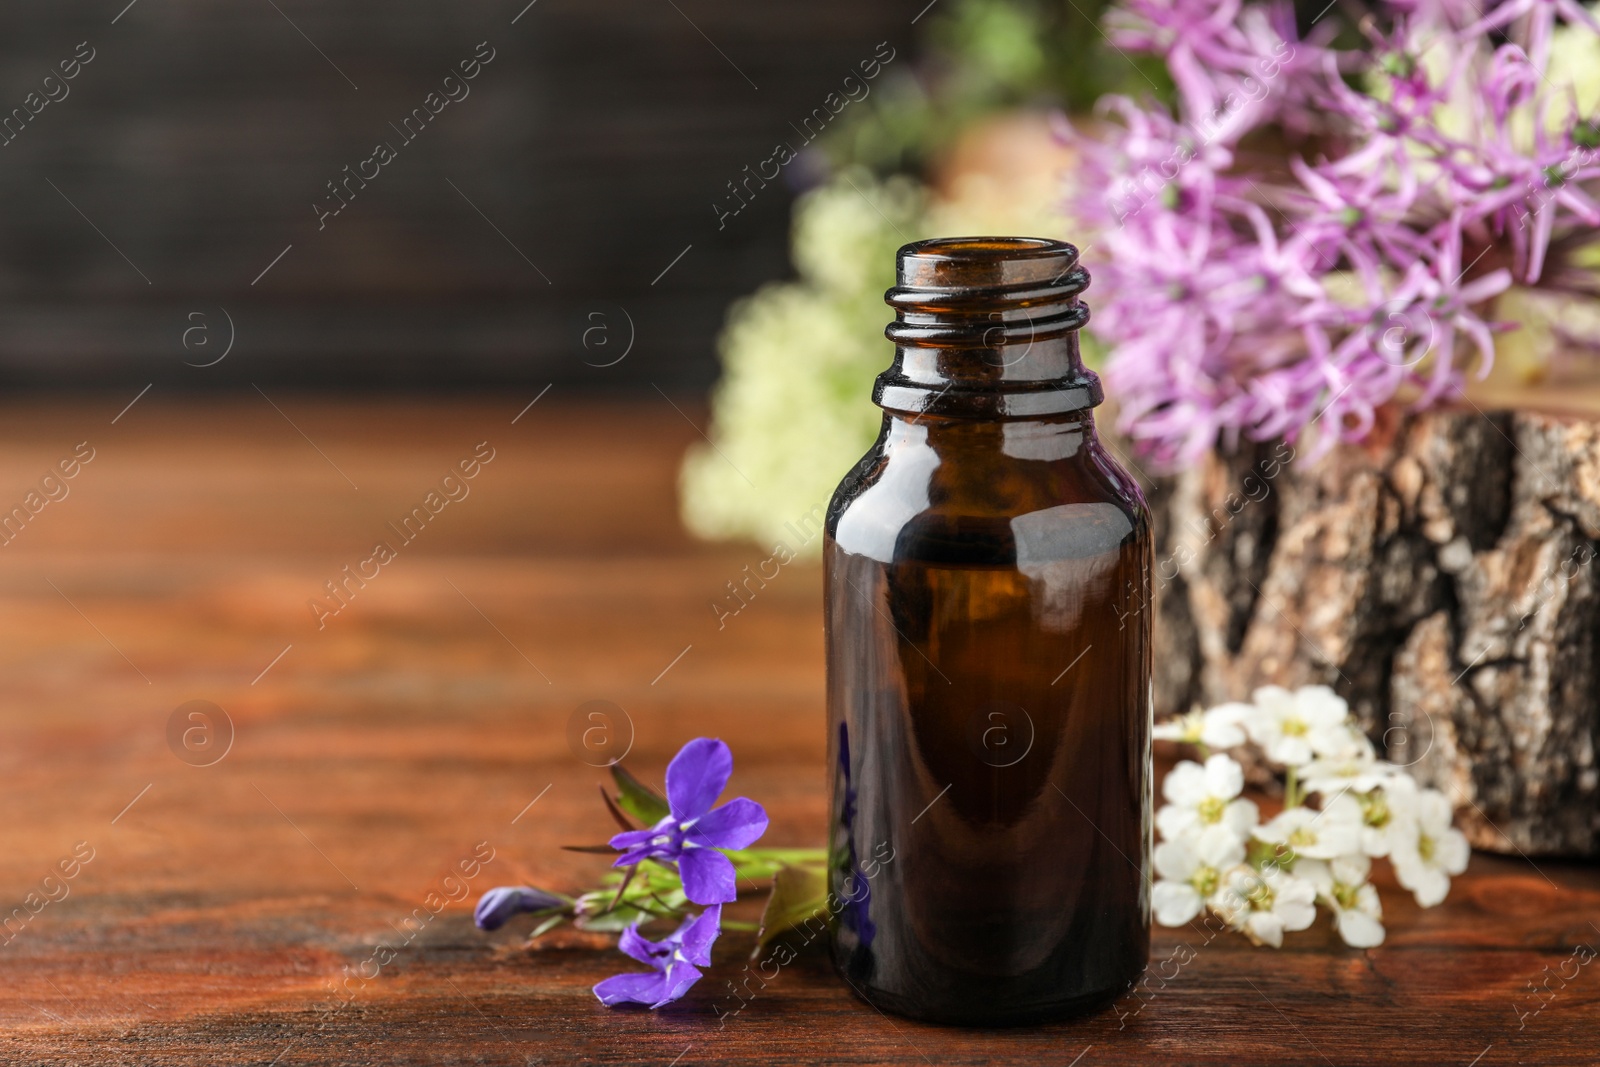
(369, 757)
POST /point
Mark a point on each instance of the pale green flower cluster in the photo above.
(1574, 61)
(792, 412)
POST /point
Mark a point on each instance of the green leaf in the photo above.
(616, 812)
(612, 922)
(759, 864)
(638, 799)
(549, 924)
(799, 901)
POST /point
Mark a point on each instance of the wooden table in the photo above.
(430, 714)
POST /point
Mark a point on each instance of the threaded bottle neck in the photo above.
(986, 327)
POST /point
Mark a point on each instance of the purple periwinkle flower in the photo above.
(693, 831)
(676, 961)
(498, 905)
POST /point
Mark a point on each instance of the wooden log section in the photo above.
(1439, 576)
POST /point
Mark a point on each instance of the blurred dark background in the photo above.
(144, 203)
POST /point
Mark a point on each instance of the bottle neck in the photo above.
(1047, 438)
(1033, 379)
(986, 328)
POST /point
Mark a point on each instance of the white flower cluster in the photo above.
(1264, 879)
(793, 412)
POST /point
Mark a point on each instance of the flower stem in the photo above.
(758, 864)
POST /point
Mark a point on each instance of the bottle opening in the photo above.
(954, 262)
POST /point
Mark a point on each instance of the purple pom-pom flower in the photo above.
(498, 905)
(1421, 176)
(676, 960)
(693, 831)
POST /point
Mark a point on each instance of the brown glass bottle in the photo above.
(988, 640)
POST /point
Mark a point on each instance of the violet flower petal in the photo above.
(697, 775)
(675, 982)
(632, 943)
(696, 938)
(632, 838)
(499, 904)
(631, 988)
(735, 824)
(708, 876)
(694, 830)
(636, 845)
(674, 958)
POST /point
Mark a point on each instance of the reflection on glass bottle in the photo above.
(850, 883)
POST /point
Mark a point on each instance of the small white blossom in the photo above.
(1190, 873)
(1357, 769)
(1342, 885)
(1425, 849)
(1293, 727)
(1218, 727)
(1386, 811)
(1350, 744)
(1333, 831)
(1205, 796)
(1366, 807)
(1266, 904)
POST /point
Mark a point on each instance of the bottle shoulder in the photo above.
(986, 507)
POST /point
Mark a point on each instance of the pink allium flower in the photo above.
(1253, 294)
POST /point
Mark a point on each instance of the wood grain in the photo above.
(220, 907)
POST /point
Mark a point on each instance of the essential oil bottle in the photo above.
(987, 576)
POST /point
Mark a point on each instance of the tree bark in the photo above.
(1438, 576)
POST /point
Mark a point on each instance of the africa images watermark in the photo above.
(55, 89)
(1257, 486)
(1548, 589)
(744, 593)
(855, 91)
(452, 888)
(52, 487)
(1132, 194)
(343, 587)
(1251, 889)
(53, 888)
(454, 90)
(1580, 957)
